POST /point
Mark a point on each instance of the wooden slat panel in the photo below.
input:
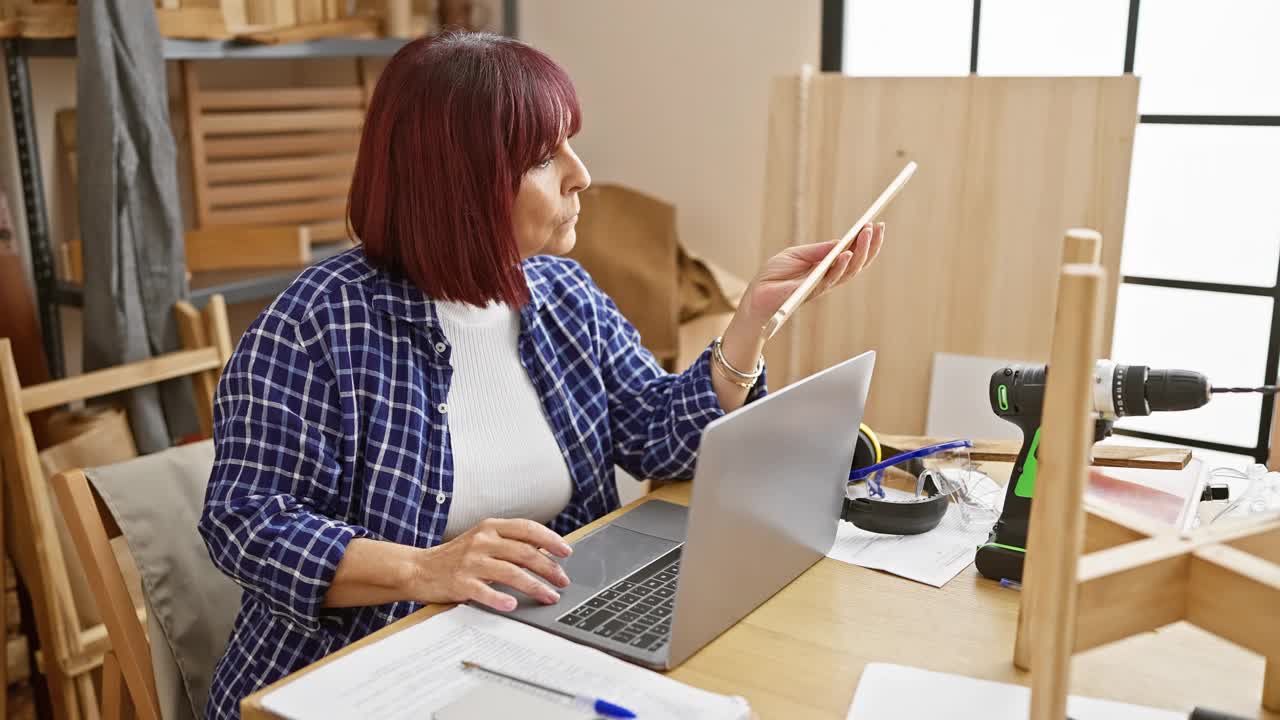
(277, 168)
(192, 97)
(227, 247)
(326, 232)
(252, 123)
(323, 97)
(122, 377)
(281, 145)
(266, 192)
(331, 209)
(310, 11)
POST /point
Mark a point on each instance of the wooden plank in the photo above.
(193, 23)
(253, 123)
(47, 21)
(1237, 596)
(192, 100)
(17, 659)
(281, 145)
(1151, 458)
(1102, 532)
(341, 164)
(310, 11)
(228, 247)
(1130, 589)
(122, 377)
(1271, 686)
(355, 26)
(329, 209)
(323, 97)
(36, 554)
(327, 232)
(261, 193)
(216, 327)
(191, 333)
(1047, 619)
(114, 699)
(990, 151)
(129, 642)
(1263, 543)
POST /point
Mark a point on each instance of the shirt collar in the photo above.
(397, 296)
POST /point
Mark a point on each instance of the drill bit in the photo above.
(1264, 389)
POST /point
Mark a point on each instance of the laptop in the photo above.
(661, 581)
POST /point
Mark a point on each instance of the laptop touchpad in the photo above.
(609, 554)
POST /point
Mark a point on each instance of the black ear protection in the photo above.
(884, 516)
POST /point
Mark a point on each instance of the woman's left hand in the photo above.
(784, 272)
(743, 339)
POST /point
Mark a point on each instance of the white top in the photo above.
(506, 463)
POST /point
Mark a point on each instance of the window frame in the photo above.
(832, 60)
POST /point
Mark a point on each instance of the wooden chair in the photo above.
(1135, 577)
(128, 681)
(69, 651)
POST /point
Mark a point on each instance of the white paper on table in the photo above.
(898, 692)
(932, 557)
(414, 672)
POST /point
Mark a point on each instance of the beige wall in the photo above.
(675, 99)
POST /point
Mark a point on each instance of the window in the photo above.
(1201, 261)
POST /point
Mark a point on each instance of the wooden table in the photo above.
(799, 655)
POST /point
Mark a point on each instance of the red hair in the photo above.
(455, 122)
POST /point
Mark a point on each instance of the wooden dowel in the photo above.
(815, 275)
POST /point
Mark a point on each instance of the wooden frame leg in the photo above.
(114, 699)
(88, 697)
(1271, 685)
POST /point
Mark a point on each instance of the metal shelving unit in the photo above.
(236, 286)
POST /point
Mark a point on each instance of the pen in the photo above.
(599, 706)
(1011, 584)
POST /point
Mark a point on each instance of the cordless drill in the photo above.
(1017, 395)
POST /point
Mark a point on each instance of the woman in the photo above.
(422, 415)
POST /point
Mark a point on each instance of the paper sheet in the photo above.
(417, 671)
(933, 557)
(895, 692)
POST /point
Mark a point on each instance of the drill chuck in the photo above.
(1139, 390)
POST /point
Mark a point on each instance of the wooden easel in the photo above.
(1223, 579)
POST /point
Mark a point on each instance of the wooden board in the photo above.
(1151, 458)
(972, 249)
(358, 26)
(193, 23)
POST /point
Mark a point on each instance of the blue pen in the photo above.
(597, 705)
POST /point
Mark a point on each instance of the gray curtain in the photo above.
(130, 218)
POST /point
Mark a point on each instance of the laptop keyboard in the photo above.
(636, 610)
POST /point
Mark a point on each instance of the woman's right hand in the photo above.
(493, 551)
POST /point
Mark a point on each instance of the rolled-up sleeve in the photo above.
(268, 516)
(656, 418)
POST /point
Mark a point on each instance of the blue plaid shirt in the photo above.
(331, 423)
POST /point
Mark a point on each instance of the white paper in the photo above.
(932, 557)
(416, 671)
(905, 693)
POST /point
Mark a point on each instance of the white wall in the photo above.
(675, 99)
